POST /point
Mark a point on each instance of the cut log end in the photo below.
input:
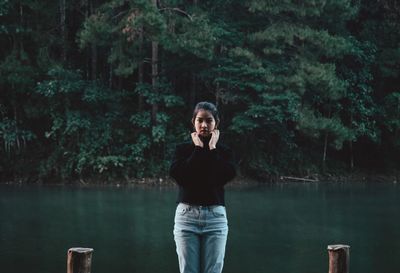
(338, 247)
(80, 249)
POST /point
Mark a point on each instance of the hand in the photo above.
(214, 139)
(196, 139)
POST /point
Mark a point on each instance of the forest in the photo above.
(102, 91)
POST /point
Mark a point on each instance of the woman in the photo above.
(201, 168)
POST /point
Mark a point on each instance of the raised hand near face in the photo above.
(214, 139)
(196, 139)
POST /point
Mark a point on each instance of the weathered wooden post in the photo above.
(339, 258)
(79, 260)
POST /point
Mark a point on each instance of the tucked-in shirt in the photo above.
(201, 173)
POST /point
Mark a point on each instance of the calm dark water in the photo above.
(276, 228)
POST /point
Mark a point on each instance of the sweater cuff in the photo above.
(197, 148)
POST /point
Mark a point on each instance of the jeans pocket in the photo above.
(219, 211)
(181, 210)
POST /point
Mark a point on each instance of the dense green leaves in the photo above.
(107, 92)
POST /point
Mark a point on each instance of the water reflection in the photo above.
(273, 228)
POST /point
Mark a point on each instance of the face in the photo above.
(204, 123)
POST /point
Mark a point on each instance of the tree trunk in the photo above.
(325, 145)
(141, 69)
(397, 130)
(140, 81)
(351, 155)
(192, 95)
(63, 31)
(17, 144)
(93, 62)
(87, 60)
(21, 22)
(325, 149)
(110, 76)
(93, 49)
(154, 76)
(351, 146)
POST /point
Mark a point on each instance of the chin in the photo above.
(205, 135)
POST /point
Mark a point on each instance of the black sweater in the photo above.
(202, 173)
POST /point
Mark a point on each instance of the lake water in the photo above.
(279, 228)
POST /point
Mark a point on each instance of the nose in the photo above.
(203, 124)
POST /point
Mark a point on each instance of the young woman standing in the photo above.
(201, 168)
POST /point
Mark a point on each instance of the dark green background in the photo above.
(96, 90)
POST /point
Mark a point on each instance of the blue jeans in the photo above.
(200, 234)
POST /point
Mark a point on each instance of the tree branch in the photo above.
(179, 11)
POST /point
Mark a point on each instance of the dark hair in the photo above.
(208, 106)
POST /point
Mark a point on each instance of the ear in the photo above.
(217, 124)
(194, 128)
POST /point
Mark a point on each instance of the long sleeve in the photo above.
(192, 163)
(223, 164)
(185, 163)
(202, 173)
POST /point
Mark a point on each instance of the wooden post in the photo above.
(339, 257)
(79, 260)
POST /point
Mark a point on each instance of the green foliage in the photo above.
(287, 75)
(12, 137)
(392, 116)
(4, 7)
(194, 36)
(16, 72)
(306, 10)
(141, 120)
(96, 29)
(61, 82)
(314, 126)
(392, 107)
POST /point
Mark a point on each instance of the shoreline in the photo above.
(237, 182)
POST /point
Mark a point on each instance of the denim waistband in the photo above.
(200, 207)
